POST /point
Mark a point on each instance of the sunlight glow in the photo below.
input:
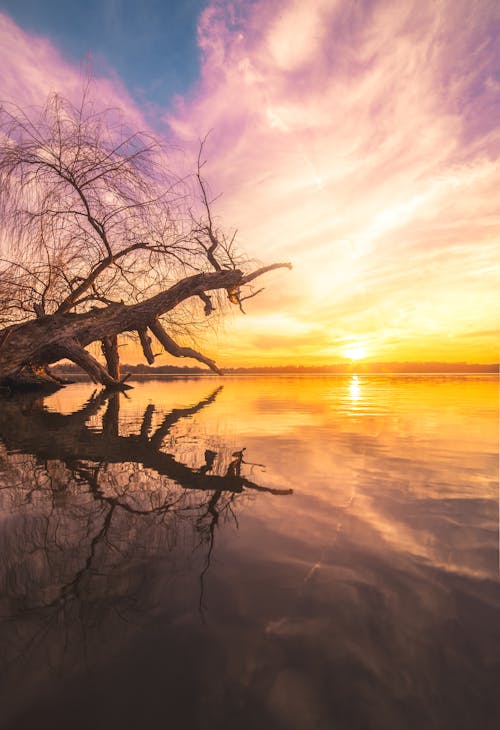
(354, 352)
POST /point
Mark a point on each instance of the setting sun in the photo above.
(354, 352)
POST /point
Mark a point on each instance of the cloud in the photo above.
(353, 139)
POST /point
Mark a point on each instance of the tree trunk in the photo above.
(112, 356)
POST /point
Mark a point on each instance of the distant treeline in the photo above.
(366, 367)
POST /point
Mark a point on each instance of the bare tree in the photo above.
(99, 237)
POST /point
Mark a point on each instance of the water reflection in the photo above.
(369, 599)
(354, 388)
(87, 513)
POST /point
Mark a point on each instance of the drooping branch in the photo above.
(177, 351)
(146, 341)
(71, 349)
(207, 301)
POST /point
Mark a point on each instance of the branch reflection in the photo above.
(96, 523)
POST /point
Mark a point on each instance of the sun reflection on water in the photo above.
(355, 389)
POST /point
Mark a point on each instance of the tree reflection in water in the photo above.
(90, 517)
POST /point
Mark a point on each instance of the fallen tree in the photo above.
(26, 350)
(99, 238)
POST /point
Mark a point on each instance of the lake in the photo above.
(252, 552)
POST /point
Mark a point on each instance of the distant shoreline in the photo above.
(409, 368)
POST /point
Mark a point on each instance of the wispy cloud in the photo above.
(359, 140)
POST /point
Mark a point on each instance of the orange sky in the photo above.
(361, 146)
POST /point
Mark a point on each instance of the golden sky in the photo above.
(358, 141)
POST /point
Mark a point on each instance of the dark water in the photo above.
(293, 553)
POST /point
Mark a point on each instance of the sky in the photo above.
(358, 140)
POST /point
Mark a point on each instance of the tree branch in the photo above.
(79, 355)
(177, 351)
(145, 341)
(209, 307)
(254, 274)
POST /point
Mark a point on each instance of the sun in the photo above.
(354, 352)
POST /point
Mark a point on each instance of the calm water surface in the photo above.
(260, 552)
